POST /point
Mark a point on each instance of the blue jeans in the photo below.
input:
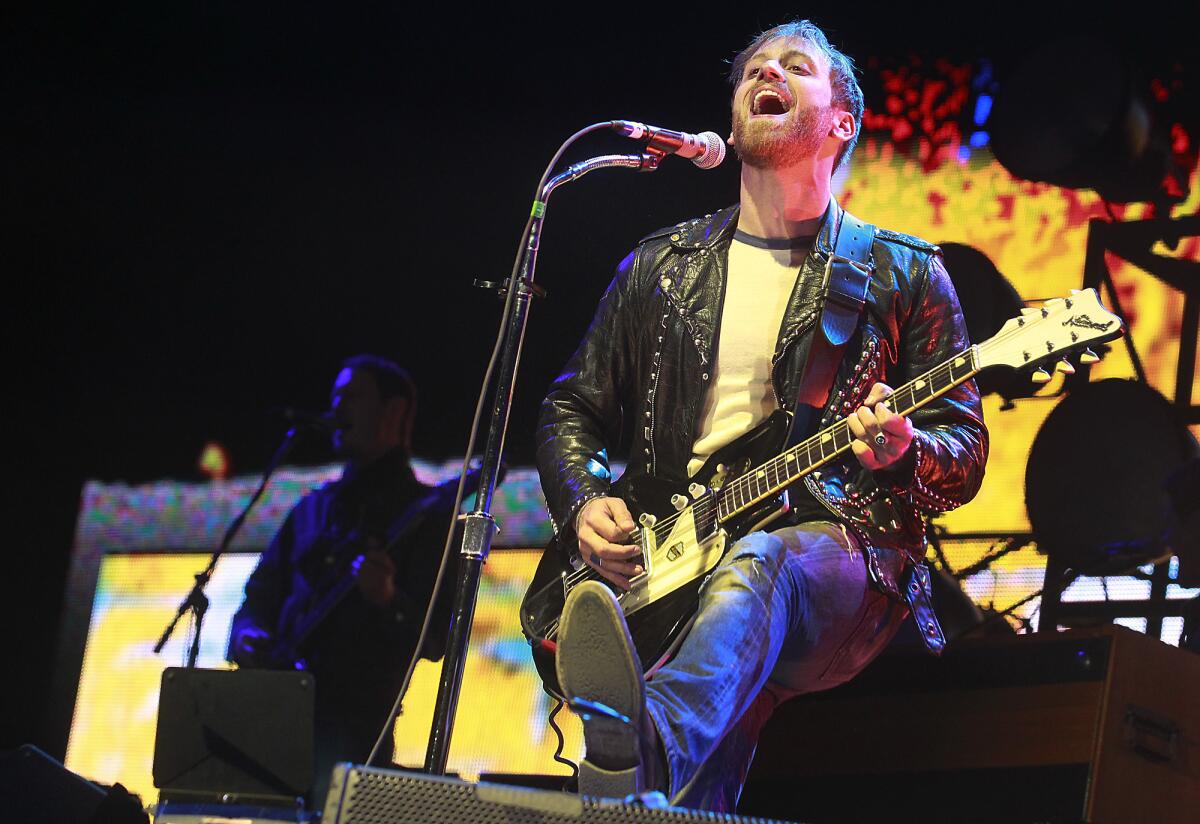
(785, 613)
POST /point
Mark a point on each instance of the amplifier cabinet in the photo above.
(1099, 725)
(370, 795)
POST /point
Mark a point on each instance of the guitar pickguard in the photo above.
(672, 560)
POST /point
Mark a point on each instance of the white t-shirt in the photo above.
(760, 282)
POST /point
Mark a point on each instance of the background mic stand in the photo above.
(480, 527)
(196, 600)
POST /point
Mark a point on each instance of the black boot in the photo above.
(601, 675)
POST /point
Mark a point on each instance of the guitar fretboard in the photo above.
(788, 467)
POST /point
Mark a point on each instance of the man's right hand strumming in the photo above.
(603, 525)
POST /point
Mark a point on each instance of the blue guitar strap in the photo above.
(844, 294)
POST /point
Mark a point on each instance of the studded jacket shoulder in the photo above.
(638, 380)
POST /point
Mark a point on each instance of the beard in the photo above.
(769, 145)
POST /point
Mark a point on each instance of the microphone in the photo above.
(706, 149)
(323, 421)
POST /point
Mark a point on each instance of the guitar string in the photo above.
(749, 486)
(931, 378)
(741, 486)
(703, 512)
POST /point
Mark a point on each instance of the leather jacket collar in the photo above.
(719, 228)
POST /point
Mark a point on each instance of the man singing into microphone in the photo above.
(705, 330)
(359, 651)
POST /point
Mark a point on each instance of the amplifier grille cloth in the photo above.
(369, 795)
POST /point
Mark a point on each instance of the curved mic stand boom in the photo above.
(480, 526)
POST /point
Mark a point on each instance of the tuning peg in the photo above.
(1065, 366)
(647, 520)
(696, 490)
(1088, 356)
(1040, 376)
(679, 501)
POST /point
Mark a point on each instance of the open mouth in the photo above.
(768, 102)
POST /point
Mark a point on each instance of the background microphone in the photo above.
(706, 149)
(323, 421)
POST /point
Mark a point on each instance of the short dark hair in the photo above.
(843, 83)
(391, 378)
(393, 381)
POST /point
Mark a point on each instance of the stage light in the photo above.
(1074, 113)
(214, 461)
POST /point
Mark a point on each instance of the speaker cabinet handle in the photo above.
(1150, 734)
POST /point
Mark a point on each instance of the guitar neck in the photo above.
(399, 532)
(785, 469)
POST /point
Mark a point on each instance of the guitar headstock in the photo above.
(1058, 328)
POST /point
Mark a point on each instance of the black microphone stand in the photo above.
(196, 600)
(480, 526)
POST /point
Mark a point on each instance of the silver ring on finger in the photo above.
(881, 439)
(599, 562)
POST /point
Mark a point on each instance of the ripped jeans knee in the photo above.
(757, 558)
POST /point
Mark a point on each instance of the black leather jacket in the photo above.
(640, 375)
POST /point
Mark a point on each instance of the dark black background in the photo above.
(208, 206)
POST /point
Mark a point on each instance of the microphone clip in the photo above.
(651, 157)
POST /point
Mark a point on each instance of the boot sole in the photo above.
(597, 661)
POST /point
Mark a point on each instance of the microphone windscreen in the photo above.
(714, 151)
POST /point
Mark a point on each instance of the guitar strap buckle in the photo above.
(847, 279)
(845, 289)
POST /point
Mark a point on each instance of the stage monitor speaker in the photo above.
(241, 734)
(36, 789)
(369, 795)
(1099, 725)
